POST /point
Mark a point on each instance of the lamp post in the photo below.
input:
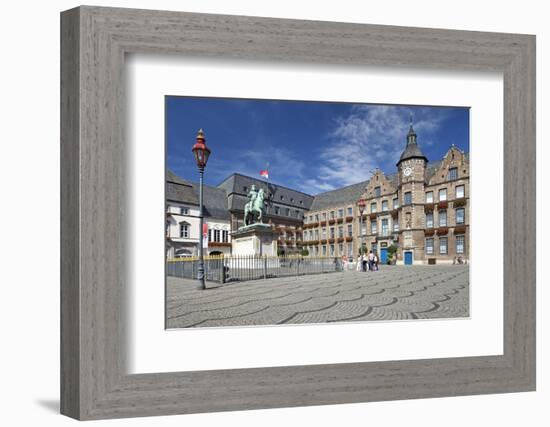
(361, 203)
(201, 152)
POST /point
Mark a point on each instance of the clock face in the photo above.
(407, 171)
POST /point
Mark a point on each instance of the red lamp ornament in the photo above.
(201, 151)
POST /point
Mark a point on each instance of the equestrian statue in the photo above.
(254, 207)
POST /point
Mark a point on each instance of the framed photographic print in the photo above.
(339, 207)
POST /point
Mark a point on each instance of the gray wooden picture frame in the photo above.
(94, 381)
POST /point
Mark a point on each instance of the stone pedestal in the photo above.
(254, 239)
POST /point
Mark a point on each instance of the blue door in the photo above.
(383, 255)
(408, 258)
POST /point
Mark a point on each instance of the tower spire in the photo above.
(412, 150)
(411, 136)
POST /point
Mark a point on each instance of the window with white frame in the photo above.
(340, 231)
(459, 244)
(396, 203)
(331, 250)
(429, 197)
(429, 219)
(184, 230)
(443, 218)
(385, 227)
(460, 215)
(384, 205)
(453, 174)
(442, 194)
(324, 250)
(377, 191)
(373, 207)
(373, 227)
(184, 210)
(407, 198)
(216, 235)
(459, 191)
(350, 211)
(340, 213)
(350, 230)
(225, 236)
(395, 225)
(429, 246)
(443, 246)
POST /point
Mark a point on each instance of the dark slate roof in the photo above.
(411, 151)
(215, 202)
(180, 190)
(172, 177)
(234, 186)
(340, 196)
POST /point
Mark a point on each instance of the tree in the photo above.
(305, 252)
(392, 250)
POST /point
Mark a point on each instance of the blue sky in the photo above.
(310, 146)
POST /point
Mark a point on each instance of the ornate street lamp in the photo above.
(361, 204)
(201, 152)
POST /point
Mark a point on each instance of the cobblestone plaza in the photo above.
(393, 293)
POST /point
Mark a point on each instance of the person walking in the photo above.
(364, 262)
(371, 261)
(375, 262)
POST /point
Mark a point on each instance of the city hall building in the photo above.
(421, 211)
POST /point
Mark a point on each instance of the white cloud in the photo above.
(370, 137)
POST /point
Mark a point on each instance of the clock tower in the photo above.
(411, 181)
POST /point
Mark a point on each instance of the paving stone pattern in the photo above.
(393, 293)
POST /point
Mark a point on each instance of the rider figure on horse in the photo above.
(255, 206)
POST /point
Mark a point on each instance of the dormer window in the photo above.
(376, 191)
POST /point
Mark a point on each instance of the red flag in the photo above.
(264, 174)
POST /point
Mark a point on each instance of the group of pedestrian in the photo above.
(367, 262)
